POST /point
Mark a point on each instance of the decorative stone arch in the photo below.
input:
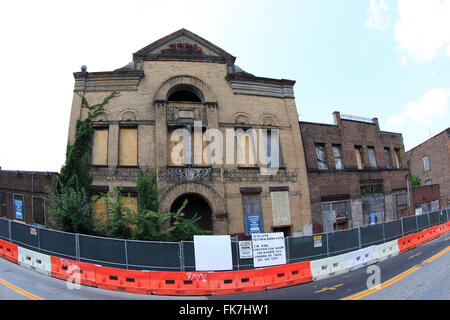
(211, 196)
(269, 120)
(129, 114)
(242, 118)
(104, 116)
(184, 80)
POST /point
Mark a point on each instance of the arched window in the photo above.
(183, 93)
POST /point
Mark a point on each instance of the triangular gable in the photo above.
(183, 45)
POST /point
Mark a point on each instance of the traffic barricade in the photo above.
(134, 281)
(422, 237)
(66, 269)
(329, 267)
(179, 283)
(362, 257)
(407, 243)
(287, 275)
(387, 250)
(230, 282)
(9, 251)
(34, 260)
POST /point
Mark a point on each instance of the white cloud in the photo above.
(423, 28)
(377, 20)
(404, 60)
(433, 103)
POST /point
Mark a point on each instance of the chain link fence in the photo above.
(180, 256)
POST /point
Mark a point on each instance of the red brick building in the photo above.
(355, 172)
(21, 195)
(425, 199)
(430, 162)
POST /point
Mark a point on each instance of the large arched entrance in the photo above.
(196, 204)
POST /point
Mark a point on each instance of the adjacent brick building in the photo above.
(425, 199)
(354, 170)
(178, 82)
(21, 195)
(430, 162)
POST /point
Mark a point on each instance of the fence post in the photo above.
(181, 256)
(328, 247)
(403, 232)
(287, 250)
(9, 231)
(359, 237)
(384, 236)
(77, 246)
(126, 252)
(429, 223)
(417, 224)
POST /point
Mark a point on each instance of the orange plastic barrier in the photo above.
(179, 283)
(9, 251)
(407, 242)
(134, 281)
(65, 268)
(422, 237)
(229, 282)
(287, 275)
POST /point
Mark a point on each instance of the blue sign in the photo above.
(254, 223)
(18, 209)
(372, 218)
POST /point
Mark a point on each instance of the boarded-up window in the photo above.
(187, 147)
(131, 203)
(100, 147)
(373, 160)
(2, 204)
(251, 205)
(38, 210)
(358, 157)
(397, 157)
(321, 157)
(337, 157)
(280, 208)
(99, 207)
(245, 148)
(128, 147)
(387, 153)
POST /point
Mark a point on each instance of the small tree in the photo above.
(70, 208)
(117, 220)
(415, 181)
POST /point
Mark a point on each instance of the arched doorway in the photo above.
(196, 204)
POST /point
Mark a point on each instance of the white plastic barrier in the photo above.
(34, 260)
(329, 267)
(362, 257)
(387, 250)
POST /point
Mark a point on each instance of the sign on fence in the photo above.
(268, 249)
(245, 250)
(213, 253)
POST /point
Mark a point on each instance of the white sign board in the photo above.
(245, 250)
(268, 249)
(213, 253)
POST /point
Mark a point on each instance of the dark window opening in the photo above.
(184, 96)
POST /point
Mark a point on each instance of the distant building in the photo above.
(430, 162)
(21, 195)
(357, 173)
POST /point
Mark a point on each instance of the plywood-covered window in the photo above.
(99, 154)
(38, 210)
(187, 146)
(358, 157)
(280, 208)
(245, 147)
(99, 207)
(128, 147)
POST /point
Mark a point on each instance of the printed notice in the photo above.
(317, 241)
(245, 250)
(268, 249)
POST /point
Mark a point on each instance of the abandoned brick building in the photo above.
(356, 173)
(183, 81)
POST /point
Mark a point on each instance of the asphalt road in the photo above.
(406, 276)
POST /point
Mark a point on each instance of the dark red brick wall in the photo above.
(424, 194)
(346, 183)
(28, 184)
(437, 149)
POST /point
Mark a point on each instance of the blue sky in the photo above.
(388, 59)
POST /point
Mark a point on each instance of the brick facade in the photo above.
(30, 188)
(437, 149)
(228, 98)
(425, 195)
(356, 188)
